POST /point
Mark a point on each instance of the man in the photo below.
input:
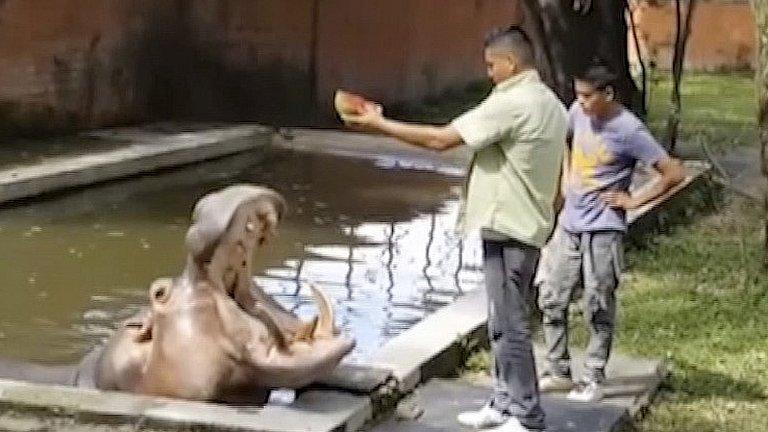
(606, 142)
(518, 137)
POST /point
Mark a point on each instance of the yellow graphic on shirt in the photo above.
(589, 152)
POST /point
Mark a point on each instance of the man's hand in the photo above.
(619, 199)
(433, 137)
(370, 119)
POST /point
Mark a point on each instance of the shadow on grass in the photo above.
(692, 382)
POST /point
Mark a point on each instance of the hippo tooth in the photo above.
(325, 316)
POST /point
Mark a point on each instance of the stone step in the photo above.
(443, 399)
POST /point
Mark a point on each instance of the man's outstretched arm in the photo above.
(433, 137)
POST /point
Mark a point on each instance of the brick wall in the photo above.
(71, 64)
(67, 63)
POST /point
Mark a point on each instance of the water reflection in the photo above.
(379, 240)
(386, 277)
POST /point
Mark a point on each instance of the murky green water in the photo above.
(380, 240)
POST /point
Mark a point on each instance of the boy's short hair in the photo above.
(598, 75)
(513, 39)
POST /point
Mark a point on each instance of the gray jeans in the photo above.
(509, 268)
(595, 260)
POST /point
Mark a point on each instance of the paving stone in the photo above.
(410, 354)
(444, 399)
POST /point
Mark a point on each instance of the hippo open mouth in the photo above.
(212, 333)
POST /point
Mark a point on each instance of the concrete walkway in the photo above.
(630, 386)
(443, 399)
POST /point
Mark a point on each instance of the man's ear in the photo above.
(610, 93)
(513, 63)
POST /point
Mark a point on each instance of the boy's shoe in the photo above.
(486, 417)
(587, 391)
(512, 425)
(550, 382)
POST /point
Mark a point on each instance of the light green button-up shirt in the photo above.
(518, 137)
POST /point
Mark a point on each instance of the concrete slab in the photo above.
(313, 411)
(631, 382)
(413, 356)
(355, 378)
(143, 150)
(381, 149)
(443, 399)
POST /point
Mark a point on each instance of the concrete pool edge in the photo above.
(145, 150)
(348, 399)
(313, 411)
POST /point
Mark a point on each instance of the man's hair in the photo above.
(598, 75)
(514, 40)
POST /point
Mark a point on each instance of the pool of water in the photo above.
(379, 238)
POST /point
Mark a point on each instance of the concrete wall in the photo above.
(723, 35)
(70, 64)
(241, 60)
(403, 50)
(67, 63)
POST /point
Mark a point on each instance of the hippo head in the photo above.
(211, 334)
(195, 342)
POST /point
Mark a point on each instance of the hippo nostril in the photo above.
(160, 290)
(159, 293)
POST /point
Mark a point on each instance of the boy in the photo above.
(605, 143)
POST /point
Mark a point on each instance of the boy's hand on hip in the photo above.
(618, 199)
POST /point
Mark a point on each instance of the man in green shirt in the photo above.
(518, 136)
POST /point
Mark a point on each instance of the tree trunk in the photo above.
(569, 34)
(683, 30)
(640, 61)
(760, 8)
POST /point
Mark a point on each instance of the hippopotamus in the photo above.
(211, 333)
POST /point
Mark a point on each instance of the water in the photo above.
(379, 239)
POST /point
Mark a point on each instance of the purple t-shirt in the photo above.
(603, 156)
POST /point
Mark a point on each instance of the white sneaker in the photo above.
(511, 425)
(486, 417)
(586, 392)
(555, 383)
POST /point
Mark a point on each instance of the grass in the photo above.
(698, 297)
(718, 109)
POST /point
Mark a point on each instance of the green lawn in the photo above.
(719, 109)
(698, 297)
